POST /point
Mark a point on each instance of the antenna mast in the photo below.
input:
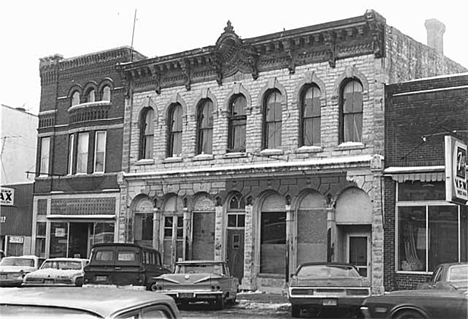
(133, 34)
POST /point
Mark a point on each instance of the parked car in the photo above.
(123, 265)
(14, 268)
(58, 271)
(452, 276)
(319, 287)
(199, 280)
(417, 304)
(85, 302)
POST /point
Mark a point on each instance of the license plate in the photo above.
(329, 302)
(101, 278)
(185, 295)
(48, 281)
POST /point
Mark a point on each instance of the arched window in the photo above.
(106, 93)
(91, 96)
(272, 117)
(310, 116)
(75, 98)
(205, 128)
(237, 120)
(146, 133)
(174, 136)
(351, 112)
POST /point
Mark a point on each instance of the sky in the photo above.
(30, 30)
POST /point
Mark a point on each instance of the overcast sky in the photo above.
(33, 29)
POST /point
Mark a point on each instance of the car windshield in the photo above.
(23, 311)
(64, 265)
(327, 271)
(458, 273)
(15, 261)
(199, 268)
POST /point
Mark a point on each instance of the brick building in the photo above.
(422, 228)
(77, 196)
(267, 151)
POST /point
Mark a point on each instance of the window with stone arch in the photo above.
(351, 111)
(146, 133)
(106, 93)
(205, 127)
(174, 136)
(91, 96)
(310, 116)
(236, 212)
(237, 122)
(75, 99)
(272, 120)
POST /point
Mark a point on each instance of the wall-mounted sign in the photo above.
(59, 232)
(456, 190)
(16, 239)
(7, 196)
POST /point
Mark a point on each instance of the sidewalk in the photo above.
(263, 300)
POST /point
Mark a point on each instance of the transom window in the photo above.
(174, 142)
(237, 120)
(310, 117)
(236, 212)
(146, 133)
(351, 112)
(272, 114)
(205, 128)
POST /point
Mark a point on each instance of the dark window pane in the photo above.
(231, 220)
(443, 235)
(241, 220)
(412, 238)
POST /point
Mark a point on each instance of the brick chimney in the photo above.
(435, 34)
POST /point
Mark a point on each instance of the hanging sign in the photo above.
(455, 171)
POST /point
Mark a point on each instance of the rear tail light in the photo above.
(357, 292)
(302, 291)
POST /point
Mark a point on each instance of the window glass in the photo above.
(351, 110)
(104, 255)
(205, 128)
(144, 226)
(71, 142)
(82, 156)
(147, 133)
(418, 191)
(126, 256)
(45, 155)
(273, 242)
(103, 233)
(175, 131)
(100, 152)
(58, 239)
(106, 93)
(237, 120)
(75, 98)
(443, 235)
(311, 117)
(91, 95)
(272, 121)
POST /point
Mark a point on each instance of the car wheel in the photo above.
(408, 314)
(220, 303)
(152, 286)
(79, 282)
(295, 311)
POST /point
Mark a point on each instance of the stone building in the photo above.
(76, 195)
(423, 226)
(266, 151)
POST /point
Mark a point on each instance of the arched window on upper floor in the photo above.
(75, 100)
(106, 93)
(174, 136)
(272, 120)
(205, 127)
(310, 117)
(351, 112)
(146, 133)
(91, 96)
(237, 121)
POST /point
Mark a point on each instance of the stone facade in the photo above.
(324, 201)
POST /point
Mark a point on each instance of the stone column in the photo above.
(248, 281)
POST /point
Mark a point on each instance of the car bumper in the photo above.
(10, 283)
(192, 295)
(328, 302)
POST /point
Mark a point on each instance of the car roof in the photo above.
(66, 259)
(189, 262)
(97, 300)
(325, 264)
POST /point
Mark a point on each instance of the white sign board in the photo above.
(16, 239)
(455, 171)
(7, 196)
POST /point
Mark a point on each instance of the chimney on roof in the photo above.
(435, 34)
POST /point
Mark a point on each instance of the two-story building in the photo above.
(267, 151)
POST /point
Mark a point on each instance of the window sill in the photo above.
(203, 157)
(351, 146)
(148, 161)
(309, 149)
(173, 160)
(235, 155)
(271, 152)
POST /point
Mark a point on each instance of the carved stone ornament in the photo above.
(185, 67)
(330, 38)
(156, 74)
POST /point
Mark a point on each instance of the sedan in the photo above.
(199, 280)
(13, 269)
(451, 276)
(85, 302)
(58, 271)
(324, 287)
(417, 304)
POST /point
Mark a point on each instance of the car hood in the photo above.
(16, 269)
(188, 278)
(53, 273)
(329, 282)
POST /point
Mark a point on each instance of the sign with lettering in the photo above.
(456, 190)
(16, 239)
(7, 196)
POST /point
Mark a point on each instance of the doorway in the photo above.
(358, 252)
(235, 252)
(78, 241)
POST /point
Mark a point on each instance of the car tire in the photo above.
(295, 311)
(152, 286)
(408, 314)
(220, 303)
(79, 282)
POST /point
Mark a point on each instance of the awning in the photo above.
(423, 177)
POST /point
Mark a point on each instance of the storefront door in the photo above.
(358, 248)
(78, 245)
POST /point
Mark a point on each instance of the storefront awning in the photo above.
(423, 174)
(80, 216)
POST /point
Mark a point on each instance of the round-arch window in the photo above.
(106, 93)
(75, 98)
